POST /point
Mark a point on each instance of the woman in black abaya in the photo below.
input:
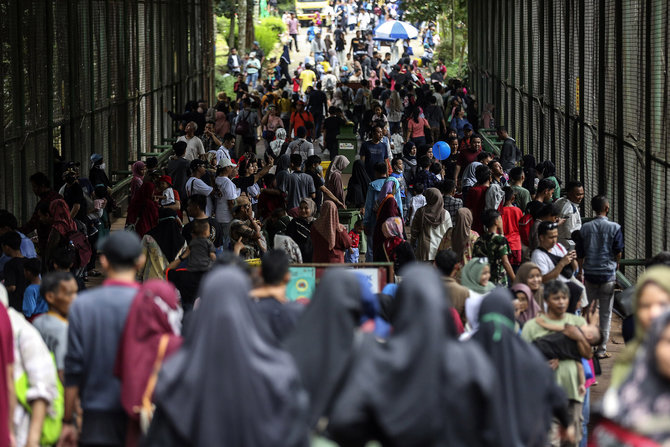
(322, 343)
(529, 394)
(228, 385)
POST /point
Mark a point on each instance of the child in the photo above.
(165, 192)
(15, 281)
(352, 254)
(200, 254)
(418, 200)
(451, 203)
(494, 246)
(511, 215)
(33, 301)
(59, 289)
(398, 168)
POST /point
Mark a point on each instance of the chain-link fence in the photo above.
(95, 76)
(585, 83)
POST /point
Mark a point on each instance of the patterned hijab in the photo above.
(338, 165)
(392, 227)
(327, 223)
(62, 220)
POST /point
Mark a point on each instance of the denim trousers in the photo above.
(604, 293)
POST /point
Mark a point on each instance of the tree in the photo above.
(242, 20)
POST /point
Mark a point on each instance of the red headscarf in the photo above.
(62, 220)
(154, 312)
(328, 223)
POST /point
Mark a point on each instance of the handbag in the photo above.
(147, 408)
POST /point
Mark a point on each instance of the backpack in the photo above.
(330, 85)
(242, 126)
(525, 224)
(78, 243)
(346, 96)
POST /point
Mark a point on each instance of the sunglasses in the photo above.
(483, 260)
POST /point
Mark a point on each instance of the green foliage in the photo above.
(285, 5)
(225, 83)
(225, 7)
(267, 33)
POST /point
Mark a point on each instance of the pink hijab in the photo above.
(533, 308)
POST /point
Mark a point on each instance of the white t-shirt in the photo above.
(194, 147)
(169, 197)
(544, 262)
(221, 154)
(228, 192)
(196, 186)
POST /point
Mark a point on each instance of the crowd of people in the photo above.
(492, 332)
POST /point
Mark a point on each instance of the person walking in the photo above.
(599, 250)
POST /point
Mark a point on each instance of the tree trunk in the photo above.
(453, 30)
(242, 28)
(251, 20)
(231, 33)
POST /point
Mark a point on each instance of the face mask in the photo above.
(102, 166)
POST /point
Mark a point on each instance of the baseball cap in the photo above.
(226, 162)
(195, 164)
(96, 158)
(121, 247)
(467, 126)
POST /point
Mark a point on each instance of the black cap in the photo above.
(121, 247)
(467, 126)
(196, 163)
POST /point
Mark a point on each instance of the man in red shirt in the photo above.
(301, 118)
(511, 215)
(475, 200)
(467, 153)
(7, 396)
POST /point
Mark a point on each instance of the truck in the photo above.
(306, 9)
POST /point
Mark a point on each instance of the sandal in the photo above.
(604, 355)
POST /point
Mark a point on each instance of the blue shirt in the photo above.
(33, 302)
(601, 241)
(27, 250)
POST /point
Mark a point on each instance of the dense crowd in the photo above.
(491, 331)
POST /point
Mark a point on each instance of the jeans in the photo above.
(295, 39)
(586, 412)
(252, 78)
(369, 255)
(351, 258)
(604, 293)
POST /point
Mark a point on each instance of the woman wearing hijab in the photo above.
(531, 275)
(529, 307)
(357, 188)
(334, 177)
(394, 242)
(138, 170)
(162, 244)
(475, 276)
(386, 207)
(652, 297)
(62, 226)
(322, 343)
(329, 238)
(429, 226)
(411, 390)
(300, 228)
(277, 146)
(547, 170)
(461, 237)
(530, 173)
(638, 410)
(409, 161)
(143, 208)
(228, 385)
(529, 393)
(151, 334)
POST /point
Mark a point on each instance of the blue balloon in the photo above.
(441, 150)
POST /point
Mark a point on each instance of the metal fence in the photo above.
(85, 76)
(586, 84)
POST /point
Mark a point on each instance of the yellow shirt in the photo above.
(307, 78)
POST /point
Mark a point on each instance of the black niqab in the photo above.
(528, 392)
(228, 385)
(323, 341)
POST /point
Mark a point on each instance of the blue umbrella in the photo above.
(395, 29)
